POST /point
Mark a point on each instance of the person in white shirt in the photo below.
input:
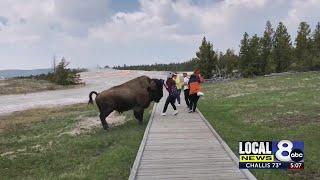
(186, 88)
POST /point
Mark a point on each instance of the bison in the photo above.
(135, 94)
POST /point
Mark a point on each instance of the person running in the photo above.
(172, 89)
(194, 89)
(186, 88)
(179, 85)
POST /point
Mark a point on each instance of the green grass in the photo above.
(25, 85)
(38, 149)
(269, 108)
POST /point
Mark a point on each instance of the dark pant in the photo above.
(170, 99)
(193, 101)
(186, 96)
(178, 95)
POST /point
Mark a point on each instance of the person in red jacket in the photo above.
(195, 89)
(172, 89)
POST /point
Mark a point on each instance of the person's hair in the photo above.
(197, 71)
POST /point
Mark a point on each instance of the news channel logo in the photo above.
(282, 154)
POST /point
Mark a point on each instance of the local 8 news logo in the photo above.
(282, 154)
(287, 151)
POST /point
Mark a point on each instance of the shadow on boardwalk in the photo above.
(184, 147)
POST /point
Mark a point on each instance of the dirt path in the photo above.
(97, 80)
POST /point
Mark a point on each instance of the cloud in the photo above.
(24, 20)
(182, 21)
(75, 17)
(307, 11)
(35, 20)
(158, 20)
(3, 20)
(91, 32)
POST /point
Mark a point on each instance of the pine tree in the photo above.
(265, 64)
(229, 62)
(244, 55)
(282, 49)
(303, 58)
(249, 55)
(254, 56)
(207, 59)
(64, 75)
(316, 40)
(221, 65)
(316, 48)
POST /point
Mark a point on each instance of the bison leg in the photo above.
(103, 115)
(138, 114)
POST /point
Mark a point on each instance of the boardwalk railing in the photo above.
(136, 163)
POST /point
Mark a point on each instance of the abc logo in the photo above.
(296, 155)
(286, 153)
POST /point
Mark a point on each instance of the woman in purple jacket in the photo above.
(172, 89)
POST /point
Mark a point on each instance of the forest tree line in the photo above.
(274, 52)
(183, 66)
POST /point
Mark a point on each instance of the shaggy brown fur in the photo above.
(135, 94)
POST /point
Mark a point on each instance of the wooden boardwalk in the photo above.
(184, 147)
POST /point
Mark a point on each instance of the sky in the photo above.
(116, 32)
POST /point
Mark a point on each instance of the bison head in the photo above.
(156, 89)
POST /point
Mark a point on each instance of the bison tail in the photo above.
(90, 96)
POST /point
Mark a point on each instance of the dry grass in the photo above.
(25, 118)
(23, 86)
